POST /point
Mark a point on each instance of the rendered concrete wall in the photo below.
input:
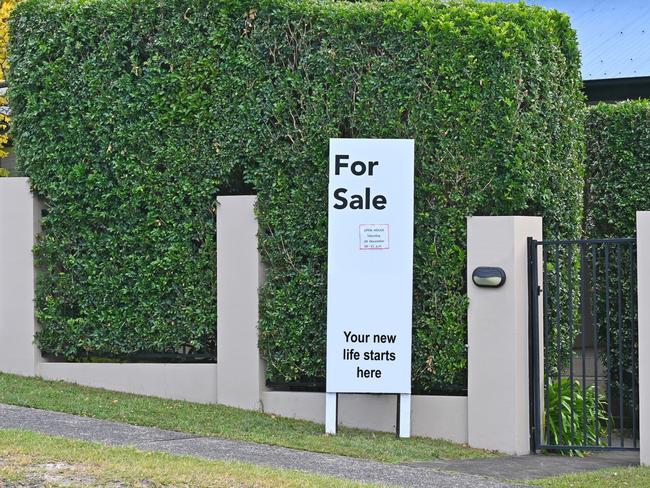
(19, 224)
(498, 368)
(191, 382)
(438, 417)
(643, 270)
(239, 276)
(238, 378)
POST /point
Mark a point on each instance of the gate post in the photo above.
(497, 334)
(643, 290)
(240, 273)
(20, 222)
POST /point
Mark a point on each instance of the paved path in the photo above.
(152, 439)
(438, 473)
(535, 467)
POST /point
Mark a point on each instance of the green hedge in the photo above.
(132, 115)
(618, 167)
(617, 185)
(120, 110)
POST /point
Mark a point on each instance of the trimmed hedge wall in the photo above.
(132, 115)
(618, 167)
(124, 121)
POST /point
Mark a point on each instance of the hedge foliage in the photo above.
(618, 167)
(131, 115)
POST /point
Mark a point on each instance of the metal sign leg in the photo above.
(331, 411)
(404, 426)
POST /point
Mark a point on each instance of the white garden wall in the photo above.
(494, 416)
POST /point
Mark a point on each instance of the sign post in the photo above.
(370, 272)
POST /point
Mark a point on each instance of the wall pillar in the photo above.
(19, 226)
(643, 290)
(498, 368)
(240, 371)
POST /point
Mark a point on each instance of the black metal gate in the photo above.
(583, 347)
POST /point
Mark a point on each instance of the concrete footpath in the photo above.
(457, 474)
(533, 467)
(151, 439)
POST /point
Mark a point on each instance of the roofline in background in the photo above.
(617, 89)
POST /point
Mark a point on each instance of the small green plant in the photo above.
(4, 172)
(588, 423)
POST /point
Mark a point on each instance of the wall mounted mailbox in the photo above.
(490, 277)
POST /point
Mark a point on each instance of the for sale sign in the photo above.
(370, 266)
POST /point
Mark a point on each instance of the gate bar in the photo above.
(533, 319)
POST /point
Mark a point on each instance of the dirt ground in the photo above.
(20, 472)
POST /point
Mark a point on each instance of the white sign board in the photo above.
(370, 266)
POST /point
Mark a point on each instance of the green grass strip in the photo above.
(225, 422)
(636, 477)
(28, 458)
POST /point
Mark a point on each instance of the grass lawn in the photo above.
(614, 477)
(33, 459)
(221, 421)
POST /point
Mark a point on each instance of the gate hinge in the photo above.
(539, 290)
